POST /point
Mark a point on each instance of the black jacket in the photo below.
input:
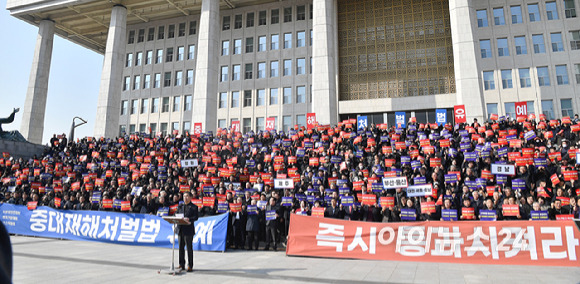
(189, 211)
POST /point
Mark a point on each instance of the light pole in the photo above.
(72, 128)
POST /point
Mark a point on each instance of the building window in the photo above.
(569, 9)
(181, 30)
(485, 46)
(224, 74)
(237, 46)
(139, 58)
(136, 82)
(225, 23)
(262, 18)
(502, 47)
(129, 60)
(249, 71)
(187, 105)
(186, 126)
(261, 70)
(259, 124)
(534, 12)
(300, 13)
(144, 105)
(178, 78)
(223, 103)
(191, 52)
(510, 110)
(506, 79)
(236, 73)
(161, 32)
(159, 58)
(287, 14)
(247, 125)
(311, 32)
(525, 78)
(176, 103)
(189, 78)
(249, 44)
(286, 123)
(301, 39)
(274, 68)
(275, 17)
(551, 11)
(167, 79)
(134, 106)
(491, 109)
(311, 11)
(171, 31)
(154, 105)
(562, 75)
(147, 81)
(575, 40)
(192, 27)
(261, 43)
(148, 57)
(516, 14)
(250, 19)
(287, 67)
(300, 94)
(274, 44)
(141, 35)
(221, 123)
(273, 96)
(287, 95)
(164, 128)
(247, 98)
(548, 109)
(169, 55)
(131, 37)
(238, 21)
(530, 107)
(131, 128)
(180, 53)
(482, 18)
(225, 47)
(577, 73)
(538, 41)
(498, 17)
(124, 106)
(165, 104)
(287, 40)
(301, 120)
(543, 76)
(235, 99)
(127, 84)
(300, 66)
(521, 46)
(488, 81)
(122, 130)
(567, 109)
(557, 44)
(157, 82)
(260, 97)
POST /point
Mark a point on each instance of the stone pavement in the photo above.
(40, 260)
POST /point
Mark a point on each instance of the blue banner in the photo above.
(362, 122)
(400, 119)
(441, 116)
(110, 227)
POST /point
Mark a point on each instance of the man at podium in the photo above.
(186, 232)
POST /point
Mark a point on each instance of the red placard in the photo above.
(208, 201)
(565, 217)
(570, 175)
(369, 199)
(318, 212)
(197, 128)
(235, 126)
(467, 213)
(270, 123)
(31, 205)
(310, 120)
(565, 200)
(511, 210)
(428, 207)
(521, 110)
(460, 116)
(107, 203)
(388, 201)
(125, 205)
(235, 207)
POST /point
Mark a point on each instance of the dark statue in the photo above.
(10, 135)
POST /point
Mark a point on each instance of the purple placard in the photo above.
(408, 214)
(487, 215)
(449, 214)
(270, 215)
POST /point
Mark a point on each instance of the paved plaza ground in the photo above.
(40, 260)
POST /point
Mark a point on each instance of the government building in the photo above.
(176, 64)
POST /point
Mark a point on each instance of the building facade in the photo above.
(171, 64)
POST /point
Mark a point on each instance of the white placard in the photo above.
(499, 169)
(395, 182)
(189, 163)
(284, 183)
(419, 190)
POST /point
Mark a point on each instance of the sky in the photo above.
(73, 85)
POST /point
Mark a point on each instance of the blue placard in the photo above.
(519, 184)
(481, 182)
(471, 184)
(450, 178)
(96, 197)
(208, 189)
(222, 207)
(400, 118)
(441, 116)
(539, 215)
(502, 152)
(300, 196)
(377, 187)
(270, 215)
(308, 145)
(343, 190)
(335, 159)
(408, 214)
(415, 164)
(542, 162)
(300, 152)
(250, 163)
(347, 201)
(530, 135)
(362, 122)
(405, 160)
(419, 180)
(252, 209)
(501, 179)
(487, 215)
(471, 156)
(286, 201)
(449, 214)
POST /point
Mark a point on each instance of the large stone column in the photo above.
(32, 126)
(324, 63)
(206, 73)
(469, 90)
(109, 103)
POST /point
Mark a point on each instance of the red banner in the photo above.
(551, 243)
(197, 128)
(235, 126)
(310, 120)
(459, 112)
(521, 110)
(270, 123)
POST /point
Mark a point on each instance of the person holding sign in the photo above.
(272, 210)
(186, 232)
(333, 211)
(557, 209)
(253, 225)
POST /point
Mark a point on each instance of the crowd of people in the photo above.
(335, 172)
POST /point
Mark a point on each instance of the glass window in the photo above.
(567, 108)
(538, 41)
(155, 105)
(147, 81)
(224, 74)
(144, 105)
(178, 78)
(548, 109)
(129, 60)
(247, 125)
(300, 66)
(577, 73)
(300, 39)
(530, 107)
(498, 17)
(167, 79)
(180, 53)
(189, 79)
(192, 28)
(275, 16)
(274, 44)
(148, 56)
(534, 12)
(551, 11)
(161, 32)
(259, 124)
(236, 72)
(300, 13)
(163, 128)
(181, 29)
(300, 94)
(525, 78)
(222, 123)
(235, 99)
(502, 47)
(562, 75)
(169, 55)
(142, 128)
(249, 71)
(516, 14)
(157, 82)
(261, 43)
(136, 82)
(127, 84)
(237, 46)
(485, 46)
(491, 109)
(287, 67)
(171, 31)
(131, 37)
(124, 107)
(250, 19)
(287, 95)
(261, 70)
(191, 52)
(260, 97)
(557, 44)
(287, 14)
(139, 59)
(176, 103)
(273, 96)
(482, 18)
(141, 35)
(286, 123)
(575, 40)
(159, 58)
(225, 47)
(287, 40)
(226, 23)
(521, 46)
(510, 110)
(488, 81)
(187, 105)
(223, 103)
(186, 126)
(261, 18)
(543, 76)
(247, 98)
(134, 106)
(249, 44)
(301, 120)
(274, 68)
(506, 79)
(238, 22)
(570, 9)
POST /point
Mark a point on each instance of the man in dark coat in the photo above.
(272, 225)
(186, 232)
(253, 228)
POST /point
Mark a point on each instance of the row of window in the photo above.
(261, 70)
(525, 81)
(157, 83)
(261, 99)
(566, 107)
(521, 46)
(151, 33)
(262, 17)
(168, 104)
(259, 124)
(534, 15)
(153, 128)
(170, 54)
(263, 45)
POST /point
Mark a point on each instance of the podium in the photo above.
(175, 221)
